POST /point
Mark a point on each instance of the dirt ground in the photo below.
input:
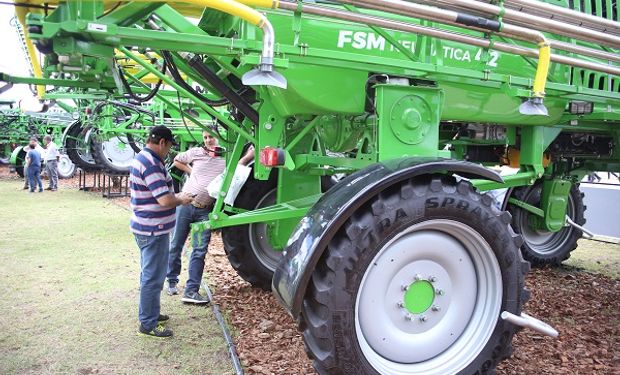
(582, 305)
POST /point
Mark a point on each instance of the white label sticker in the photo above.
(97, 27)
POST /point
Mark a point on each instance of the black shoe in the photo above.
(49, 188)
(159, 331)
(195, 297)
(26, 187)
(163, 318)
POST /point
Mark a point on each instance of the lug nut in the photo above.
(418, 277)
(404, 287)
(408, 317)
(436, 308)
(440, 292)
(432, 279)
(400, 305)
(423, 318)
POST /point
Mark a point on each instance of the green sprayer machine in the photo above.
(413, 158)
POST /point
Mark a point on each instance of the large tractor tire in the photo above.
(247, 246)
(113, 155)
(542, 247)
(414, 282)
(20, 161)
(66, 168)
(77, 150)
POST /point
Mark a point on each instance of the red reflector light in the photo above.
(272, 157)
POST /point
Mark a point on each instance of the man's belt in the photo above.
(198, 205)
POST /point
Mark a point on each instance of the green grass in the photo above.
(70, 270)
(596, 256)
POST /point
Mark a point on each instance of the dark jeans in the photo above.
(153, 258)
(186, 215)
(34, 178)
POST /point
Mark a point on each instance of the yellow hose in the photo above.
(36, 66)
(542, 70)
(232, 7)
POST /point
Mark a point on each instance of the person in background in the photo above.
(52, 156)
(41, 151)
(202, 164)
(153, 218)
(33, 166)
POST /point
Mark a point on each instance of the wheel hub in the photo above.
(419, 296)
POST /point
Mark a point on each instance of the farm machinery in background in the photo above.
(405, 265)
(17, 127)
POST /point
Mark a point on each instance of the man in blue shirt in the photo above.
(153, 203)
(33, 166)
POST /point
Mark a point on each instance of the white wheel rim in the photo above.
(118, 152)
(65, 166)
(437, 341)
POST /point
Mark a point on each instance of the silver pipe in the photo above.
(443, 34)
(585, 233)
(268, 41)
(527, 321)
(441, 15)
(584, 19)
(536, 21)
(556, 44)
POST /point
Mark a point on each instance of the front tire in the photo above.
(247, 246)
(542, 247)
(77, 150)
(114, 155)
(414, 283)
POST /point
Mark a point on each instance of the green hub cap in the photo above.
(419, 296)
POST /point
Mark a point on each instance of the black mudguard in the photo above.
(321, 223)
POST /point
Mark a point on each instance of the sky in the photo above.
(13, 61)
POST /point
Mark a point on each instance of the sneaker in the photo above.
(159, 331)
(163, 318)
(172, 289)
(195, 297)
(26, 187)
(40, 190)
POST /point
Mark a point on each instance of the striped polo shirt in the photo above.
(148, 181)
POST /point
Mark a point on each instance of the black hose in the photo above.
(232, 352)
(235, 99)
(135, 97)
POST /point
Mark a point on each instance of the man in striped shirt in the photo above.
(153, 204)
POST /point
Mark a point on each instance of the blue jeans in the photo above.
(34, 178)
(153, 258)
(186, 215)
